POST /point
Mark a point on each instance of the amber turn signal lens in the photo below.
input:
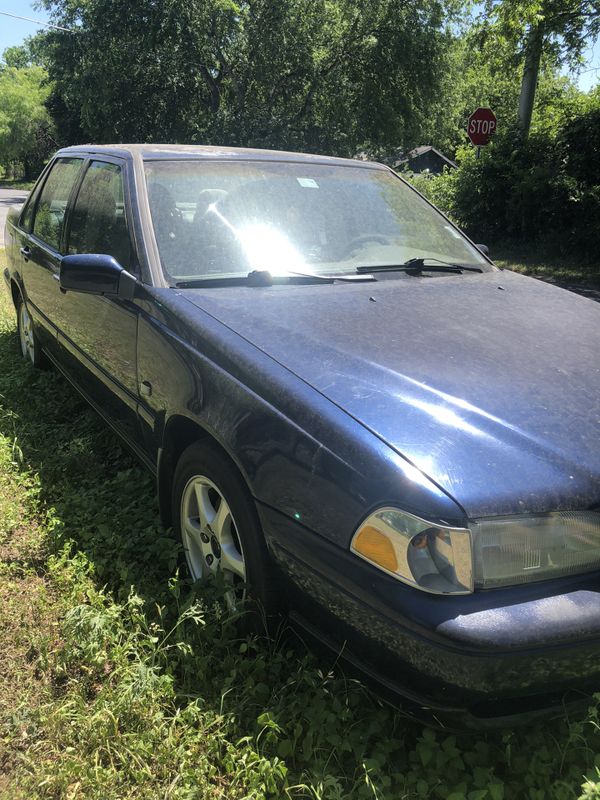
(429, 556)
(376, 547)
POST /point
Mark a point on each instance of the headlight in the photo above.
(510, 550)
(491, 553)
(431, 557)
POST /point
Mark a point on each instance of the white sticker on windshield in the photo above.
(308, 183)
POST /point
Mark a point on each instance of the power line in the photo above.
(37, 22)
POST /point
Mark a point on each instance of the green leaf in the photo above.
(496, 791)
(284, 748)
(425, 753)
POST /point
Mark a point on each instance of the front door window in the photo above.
(98, 222)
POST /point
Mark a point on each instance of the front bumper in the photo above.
(485, 656)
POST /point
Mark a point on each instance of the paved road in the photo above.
(7, 198)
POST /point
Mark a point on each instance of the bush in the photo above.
(439, 189)
(547, 188)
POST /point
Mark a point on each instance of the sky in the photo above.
(14, 31)
(591, 76)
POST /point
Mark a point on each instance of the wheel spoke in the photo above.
(22, 331)
(232, 561)
(26, 333)
(206, 511)
(192, 529)
(221, 523)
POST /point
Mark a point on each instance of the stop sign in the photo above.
(481, 126)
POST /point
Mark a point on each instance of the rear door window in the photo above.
(98, 223)
(27, 218)
(50, 213)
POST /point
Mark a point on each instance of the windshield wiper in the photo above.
(353, 278)
(414, 266)
(262, 277)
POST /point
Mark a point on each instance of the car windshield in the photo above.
(215, 219)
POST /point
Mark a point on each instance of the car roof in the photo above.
(153, 152)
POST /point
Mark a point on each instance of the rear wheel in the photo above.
(217, 522)
(28, 341)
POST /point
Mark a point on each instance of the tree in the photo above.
(328, 75)
(18, 57)
(558, 28)
(24, 119)
(484, 69)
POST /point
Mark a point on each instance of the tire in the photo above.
(29, 344)
(216, 520)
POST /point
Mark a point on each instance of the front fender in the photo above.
(298, 452)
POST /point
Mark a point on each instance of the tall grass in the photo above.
(132, 683)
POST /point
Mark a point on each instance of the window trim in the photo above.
(71, 204)
(92, 158)
(42, 180)
(34, 194)
(32, 200)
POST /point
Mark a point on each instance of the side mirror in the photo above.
(96, 274)
(484, 249)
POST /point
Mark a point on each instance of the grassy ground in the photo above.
(25, 185)
(544, 262)
(119, 681)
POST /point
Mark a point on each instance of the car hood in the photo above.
(490, 383)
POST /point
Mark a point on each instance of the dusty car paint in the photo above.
(448, 373)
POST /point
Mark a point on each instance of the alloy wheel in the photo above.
(210, 537)
(26, 333)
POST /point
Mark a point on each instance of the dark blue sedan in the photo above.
(344, 402)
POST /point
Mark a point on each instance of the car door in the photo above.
(97, 334)
(41, 244)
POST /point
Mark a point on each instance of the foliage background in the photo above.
(334, 77)
(545, 190)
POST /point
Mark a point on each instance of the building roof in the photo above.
(421, 151)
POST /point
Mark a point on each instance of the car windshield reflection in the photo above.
(222, 219)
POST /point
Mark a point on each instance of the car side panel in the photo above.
(297, 451)
(39, 268)
(97, 338)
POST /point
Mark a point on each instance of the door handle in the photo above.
(26, 252)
